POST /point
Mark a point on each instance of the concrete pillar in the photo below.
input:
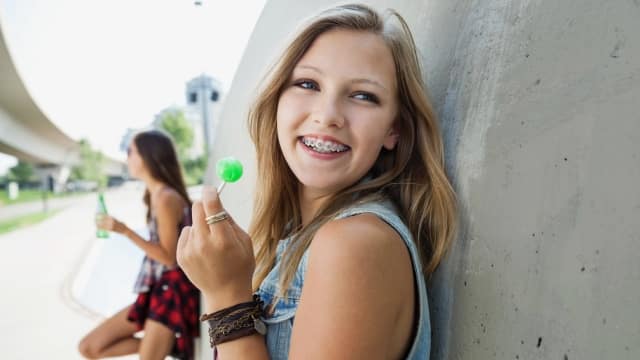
(538, 105)
(53, 177)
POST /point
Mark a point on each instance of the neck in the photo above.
(310, 204)
(153, 185)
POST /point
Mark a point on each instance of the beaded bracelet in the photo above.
(236, 321)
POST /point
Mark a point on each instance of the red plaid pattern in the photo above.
(174, 302)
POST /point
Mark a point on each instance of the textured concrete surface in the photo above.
(537, 100)
(542, 138)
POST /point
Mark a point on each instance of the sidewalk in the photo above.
(39, 264)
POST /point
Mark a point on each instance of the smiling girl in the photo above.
(353, 209)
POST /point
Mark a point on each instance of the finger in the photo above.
(242, 236)
(240, 233)
(183, 240)
(212, 205)
(197, 212)
(197, 216)
(211, 201)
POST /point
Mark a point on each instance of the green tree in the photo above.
(181, 132)
(22, 172)
(90, 166)
(175, 123)
(194, 170)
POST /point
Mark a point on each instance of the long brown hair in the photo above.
(411, 175)
(159, 156)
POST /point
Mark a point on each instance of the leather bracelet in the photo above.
(234, 322)
(220, 313)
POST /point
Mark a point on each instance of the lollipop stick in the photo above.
(221, 187)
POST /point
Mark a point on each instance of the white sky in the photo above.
(96, 68)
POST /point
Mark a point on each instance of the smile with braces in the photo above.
(324, 146)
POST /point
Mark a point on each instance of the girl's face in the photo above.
(338, 111)
(135, 164)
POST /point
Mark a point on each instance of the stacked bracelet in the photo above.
(235, 322)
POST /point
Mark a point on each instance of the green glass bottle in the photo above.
(101, 209)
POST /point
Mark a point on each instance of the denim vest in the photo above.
(280, 321)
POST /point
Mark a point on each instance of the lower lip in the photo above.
(322, 156)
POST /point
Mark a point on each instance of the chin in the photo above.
(322, 185)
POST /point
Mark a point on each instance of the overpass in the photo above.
(27, 133)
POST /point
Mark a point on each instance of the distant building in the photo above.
(203, 105)
(203, 95)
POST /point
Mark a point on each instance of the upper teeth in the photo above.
(324, 145)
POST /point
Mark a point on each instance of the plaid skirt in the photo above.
(175, 302)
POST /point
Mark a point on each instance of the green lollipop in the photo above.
(229, 170)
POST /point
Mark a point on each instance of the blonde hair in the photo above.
(412, 175)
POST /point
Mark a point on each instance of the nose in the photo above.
(328, 111)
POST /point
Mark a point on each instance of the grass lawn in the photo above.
(24, 220)
(31, 195)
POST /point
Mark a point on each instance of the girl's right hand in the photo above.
(218, 258)
(106, 222)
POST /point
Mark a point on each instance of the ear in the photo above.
(391, 139)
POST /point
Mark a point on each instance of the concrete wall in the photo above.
(537, 100)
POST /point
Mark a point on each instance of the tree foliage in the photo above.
(175, 123)
(22, 172)
(90, 166)
(194, 169)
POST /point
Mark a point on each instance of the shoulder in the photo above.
(364, 231)
(358, 272)
(168, 195)
(168, 200)
(362, 241)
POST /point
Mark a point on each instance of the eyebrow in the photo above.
(354, 81)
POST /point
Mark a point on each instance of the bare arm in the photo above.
(357, 300)
(166, 207)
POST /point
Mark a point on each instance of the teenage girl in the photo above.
(167, 305)
(353, 209)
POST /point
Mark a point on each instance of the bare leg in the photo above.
(114, 337)
(157, 341)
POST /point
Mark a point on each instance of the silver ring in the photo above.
(212, 219)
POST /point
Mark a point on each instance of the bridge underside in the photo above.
(26, 132)
(10, 150)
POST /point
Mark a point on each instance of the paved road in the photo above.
(42, 266)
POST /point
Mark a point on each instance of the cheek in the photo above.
(281, 122)
(284, 106)
(134, 164)
(286, 115)
(293, 107)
